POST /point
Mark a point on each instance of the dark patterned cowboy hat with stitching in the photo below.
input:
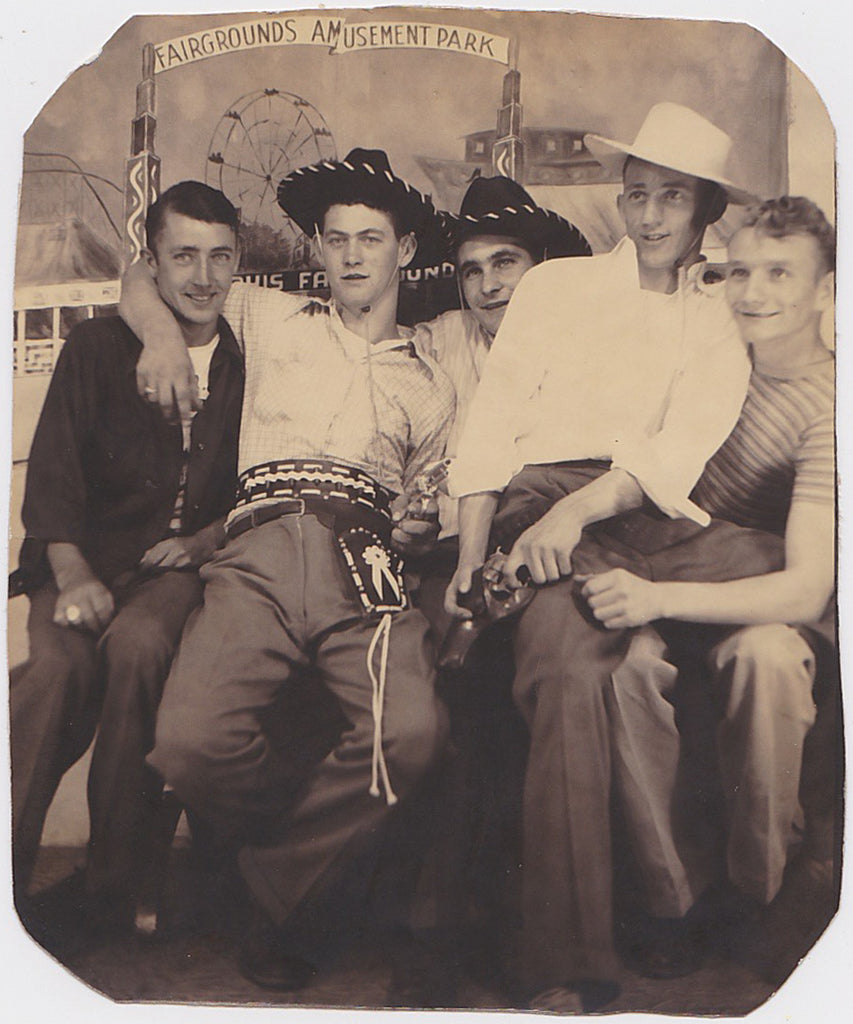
(364, 175)
(500, 206)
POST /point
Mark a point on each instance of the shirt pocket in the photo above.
(123, 461)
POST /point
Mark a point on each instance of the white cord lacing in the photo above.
(379, 767)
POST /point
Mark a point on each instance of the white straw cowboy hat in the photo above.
(677, 137)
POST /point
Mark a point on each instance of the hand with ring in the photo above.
(85, 605)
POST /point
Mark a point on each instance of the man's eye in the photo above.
(336, 242)
(673, 195)
(505, 261)
(222, 257)
(183, 258)
(736, 273)
(778, 272)
(636, 195)
(469, 273)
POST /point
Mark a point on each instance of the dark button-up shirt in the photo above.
(105, 467)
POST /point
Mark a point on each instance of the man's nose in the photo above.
(352, 252)
(202, 272)
(651, 212)
(491, 281)
(754, 291)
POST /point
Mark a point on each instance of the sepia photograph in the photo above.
(423, 515)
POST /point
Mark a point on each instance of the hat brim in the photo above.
(305, 195)
(612, 156)
(537, 228)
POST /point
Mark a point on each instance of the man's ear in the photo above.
(407, 247)
(620, 201)
(150, 259)
(825, 292)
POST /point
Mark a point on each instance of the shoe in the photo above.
(575, 998)
(665, 948)
(268, 960)
(66, 919)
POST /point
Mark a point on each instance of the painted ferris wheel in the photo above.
(262, 137)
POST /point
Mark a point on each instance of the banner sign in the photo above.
(315, 280)
(334, 33)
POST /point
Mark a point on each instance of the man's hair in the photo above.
(372, 202)
(192, 199)
(533, 249)
(795, 215)
(711, 198)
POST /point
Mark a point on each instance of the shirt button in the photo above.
(200, 446)
(150, 483)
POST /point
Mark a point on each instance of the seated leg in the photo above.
(563, 666)
(54, 705)
(765, 676)
(135, 653)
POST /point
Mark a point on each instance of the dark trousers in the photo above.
(476, 837)
(73, 681)
(564, 663)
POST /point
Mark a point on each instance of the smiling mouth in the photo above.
(354, 277)
(654, 238)
(500, 304)
(756, 316)
(201, 299)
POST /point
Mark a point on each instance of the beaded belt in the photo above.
(351, 503)
(312, 478)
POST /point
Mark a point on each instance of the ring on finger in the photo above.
(72, 614)
(149, 391)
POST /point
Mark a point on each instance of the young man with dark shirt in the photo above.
(120, 511)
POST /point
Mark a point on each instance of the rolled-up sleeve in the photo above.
(703, 408)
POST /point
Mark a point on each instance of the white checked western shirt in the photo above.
(315, 389)
(588, 365)
(460, 346)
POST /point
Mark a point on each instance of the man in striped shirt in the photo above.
(775, 473)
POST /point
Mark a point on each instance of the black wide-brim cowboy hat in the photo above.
(364, 175)
(500, 206)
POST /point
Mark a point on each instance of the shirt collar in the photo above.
(624, 254)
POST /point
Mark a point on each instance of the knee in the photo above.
(60, 673)
(181, 753)
(770, 664)
(415, 740)
(134, 642)
(645, 676)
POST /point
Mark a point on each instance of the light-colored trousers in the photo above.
(761, 680)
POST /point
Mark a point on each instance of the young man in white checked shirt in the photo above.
(341, 415)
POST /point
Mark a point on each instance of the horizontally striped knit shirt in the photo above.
(781, 451)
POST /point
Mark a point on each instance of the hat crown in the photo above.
(493, 195)
(676, 137)
(375, 160)
(671, 133)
